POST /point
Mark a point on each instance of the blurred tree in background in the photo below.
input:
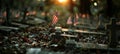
(107, 7)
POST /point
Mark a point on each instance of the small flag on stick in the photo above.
(55, 19)
(69, 21)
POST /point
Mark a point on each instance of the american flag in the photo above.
(76, 20)
(69, 21)
(73, 20)
(55, 19)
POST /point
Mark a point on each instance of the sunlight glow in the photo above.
(62, 1)
(95, 4)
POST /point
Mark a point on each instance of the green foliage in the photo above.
(16, 3)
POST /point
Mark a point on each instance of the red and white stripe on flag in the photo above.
(55, 19)
(69, 21)
(76, 20)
